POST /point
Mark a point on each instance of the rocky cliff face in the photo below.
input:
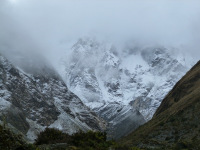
(33, 98)
(124, 85)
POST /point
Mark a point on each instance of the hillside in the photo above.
(10, 140)
(176, 123)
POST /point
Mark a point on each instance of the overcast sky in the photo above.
(52, 25)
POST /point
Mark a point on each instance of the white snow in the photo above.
(147, 73)
(34, 130)
(131, 62)
(4, 104)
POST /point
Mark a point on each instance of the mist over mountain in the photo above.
(51, 27)
(123, 85)
(106, 64)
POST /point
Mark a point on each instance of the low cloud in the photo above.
(51, 26)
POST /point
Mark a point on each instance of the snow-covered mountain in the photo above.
(33, 96)
(123, 84)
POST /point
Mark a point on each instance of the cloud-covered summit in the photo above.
(50, 26)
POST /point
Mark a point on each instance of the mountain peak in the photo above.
(130, 77)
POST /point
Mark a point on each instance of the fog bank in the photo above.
(52, 26)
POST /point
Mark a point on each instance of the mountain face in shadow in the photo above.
(176, 123)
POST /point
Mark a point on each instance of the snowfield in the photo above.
(106, 77)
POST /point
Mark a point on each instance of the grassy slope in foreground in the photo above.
(176, 123)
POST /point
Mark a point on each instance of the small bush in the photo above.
(10, 140)
(125, 147)
(81, 140)
(161, 123)
(52, 136)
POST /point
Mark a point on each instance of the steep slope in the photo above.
(36, 97)
(12, 141)
(176, 122)
(123, 84)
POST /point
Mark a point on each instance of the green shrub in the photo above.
(161, 123)
(81, 140)
(10, 141)
(52, 136)
(125, 147)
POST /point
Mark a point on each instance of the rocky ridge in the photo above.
(32, 100)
